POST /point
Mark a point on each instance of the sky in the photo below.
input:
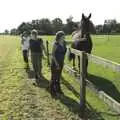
(14, 12)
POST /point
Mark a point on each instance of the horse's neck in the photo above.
(76, 35)
(88, 36)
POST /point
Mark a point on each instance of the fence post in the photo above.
(79, 65)
(74, 62)
(82, 83)
(48, 59)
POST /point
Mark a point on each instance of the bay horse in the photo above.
(81, 37)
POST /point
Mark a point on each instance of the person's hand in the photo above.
(44, 57)
(58, 67)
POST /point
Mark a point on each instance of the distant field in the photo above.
(106, 46)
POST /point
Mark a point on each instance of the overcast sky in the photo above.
(13, 12)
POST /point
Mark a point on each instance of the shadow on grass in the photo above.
(70, 87)
(44, 83)
(74, 106)
(92, 114)
(30, 72)
(105, 85)
(66, 100)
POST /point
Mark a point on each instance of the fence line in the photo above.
(99, 60)
(106, 64)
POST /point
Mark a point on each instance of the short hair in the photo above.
(34, 32)
(59, 34)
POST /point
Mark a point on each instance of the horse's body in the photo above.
(83, 43)
(81, 37)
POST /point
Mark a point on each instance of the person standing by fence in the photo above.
(37, 47)
(57, 62)
(25, 47)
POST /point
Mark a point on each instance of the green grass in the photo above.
(108, 47)
(21, 100)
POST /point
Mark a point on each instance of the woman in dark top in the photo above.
(36, 47)
(57, 62)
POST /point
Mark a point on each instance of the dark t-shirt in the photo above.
(60, 52)
(35, 45)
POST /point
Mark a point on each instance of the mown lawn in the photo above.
(21, 100)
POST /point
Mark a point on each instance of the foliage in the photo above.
(110, 26)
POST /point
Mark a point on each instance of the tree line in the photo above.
(110, 26)
(47, 27)
(44, 27)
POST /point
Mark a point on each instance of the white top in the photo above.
(25, 45)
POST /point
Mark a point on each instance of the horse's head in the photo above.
(86, 25)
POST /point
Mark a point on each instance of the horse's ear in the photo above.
(89, 16)
(83, 16)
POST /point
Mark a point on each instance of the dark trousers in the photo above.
(55, 78)
(25, 56)
(36, 59)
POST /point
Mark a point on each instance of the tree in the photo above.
(6, 32)
(118, 28)
(46, 26)
(99, 29)
(24, 27)
(13, 31)
(36, 24)
(69, 27)
(57, 25)
(109, 26)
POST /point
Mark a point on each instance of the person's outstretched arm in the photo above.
(44, 49)
(53, 56)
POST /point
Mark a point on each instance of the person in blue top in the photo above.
(57, 63)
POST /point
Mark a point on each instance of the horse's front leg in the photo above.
(86, 71)
(79, 64)
(74, 63)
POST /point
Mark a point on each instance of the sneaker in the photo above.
(37, 81)
(36, 77)
(60, 92)
(53, 94)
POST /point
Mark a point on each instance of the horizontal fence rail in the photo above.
(99, 60)
(112, 103)
(104, 62)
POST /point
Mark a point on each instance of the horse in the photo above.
(81, 37)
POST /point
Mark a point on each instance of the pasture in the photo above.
(21, 100)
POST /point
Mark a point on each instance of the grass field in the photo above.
(108, 47)
(21, 100)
